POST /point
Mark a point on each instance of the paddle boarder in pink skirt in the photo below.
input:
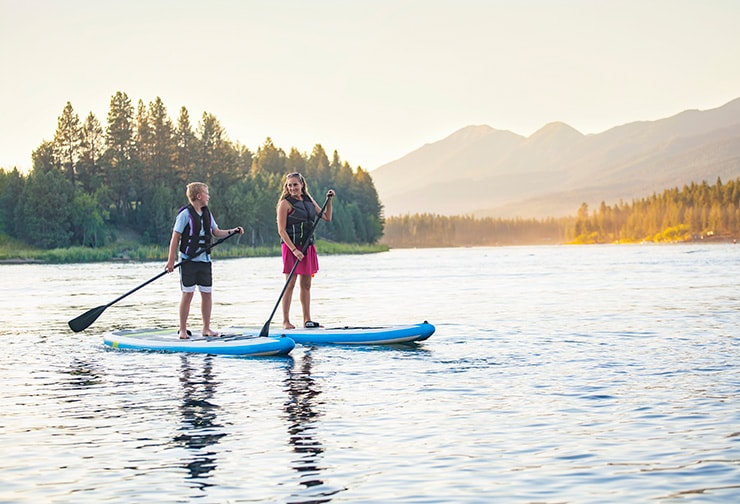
(296, 214)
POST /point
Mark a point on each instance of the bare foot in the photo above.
(209, 334)
(288, 325)
(184, 334)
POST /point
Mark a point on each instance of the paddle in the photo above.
(86, 319)
(266, 328)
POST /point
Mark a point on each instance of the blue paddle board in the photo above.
(229, 343)
(350, 335)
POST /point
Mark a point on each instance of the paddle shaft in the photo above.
(266, 328)
(86, 319)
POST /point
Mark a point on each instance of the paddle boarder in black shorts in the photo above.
(191, 234)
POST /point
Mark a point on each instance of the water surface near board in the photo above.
(557, 374)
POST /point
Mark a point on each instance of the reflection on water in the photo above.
(302, 416)
(83, 374)
(199, 428)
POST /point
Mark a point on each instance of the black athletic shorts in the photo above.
(196, 273)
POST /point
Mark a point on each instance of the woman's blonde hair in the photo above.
(304, 186)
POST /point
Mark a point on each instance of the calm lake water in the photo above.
(557, 374)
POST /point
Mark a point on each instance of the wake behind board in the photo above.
(347, 335)
(167, 340)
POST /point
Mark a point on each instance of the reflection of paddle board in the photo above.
(167, 340)
(348, 335)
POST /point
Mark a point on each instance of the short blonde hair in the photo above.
(194, 189)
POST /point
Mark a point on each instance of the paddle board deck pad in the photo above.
(229, 343)
(347, 335)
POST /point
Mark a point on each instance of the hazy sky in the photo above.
(372, 79)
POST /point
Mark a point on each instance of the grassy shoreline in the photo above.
(15, 252)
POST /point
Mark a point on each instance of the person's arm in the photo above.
(174, 247)
(220, 233)
(282, 222)
(327, 212)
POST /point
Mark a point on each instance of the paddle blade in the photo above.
(265, 332)
(86, 319)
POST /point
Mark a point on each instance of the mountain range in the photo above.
(487, 172)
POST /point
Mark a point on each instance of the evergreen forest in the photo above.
(92, 181)
(695, 212)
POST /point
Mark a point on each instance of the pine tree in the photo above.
(67, 141)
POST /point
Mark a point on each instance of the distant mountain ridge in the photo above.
(484, 171)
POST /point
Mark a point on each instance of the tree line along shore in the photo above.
(98, 193)
(697, 212)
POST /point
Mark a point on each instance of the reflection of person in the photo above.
(194, 226)
(296, 214)
(303, 418)
(200, 427)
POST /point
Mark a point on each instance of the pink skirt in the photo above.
(309, 265)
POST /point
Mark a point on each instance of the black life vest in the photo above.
(301, 221)
(191, 240)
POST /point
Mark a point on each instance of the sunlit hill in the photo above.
(486, 172)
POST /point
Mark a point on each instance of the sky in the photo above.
(372, 79)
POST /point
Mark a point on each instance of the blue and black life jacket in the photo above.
(191, 240)
(300, 221)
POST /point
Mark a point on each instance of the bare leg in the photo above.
(287, 300)
(185, 300)
(306, 297)
(206, 305)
